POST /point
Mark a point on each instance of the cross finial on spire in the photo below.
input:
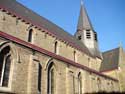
(120, 44)
(81, 2)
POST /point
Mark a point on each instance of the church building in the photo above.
(39, 57)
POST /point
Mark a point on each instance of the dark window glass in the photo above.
(74, 55)
(5, 63)
(88, 35)
(30, 35)
(6, 71)
(73, 83)
(79, 37)
(39, 77)
(95, 36)
(51, 79)
(88, 30)
(55, 48)
(79, 83)
(1, 63)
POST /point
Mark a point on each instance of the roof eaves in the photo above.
(36, 48)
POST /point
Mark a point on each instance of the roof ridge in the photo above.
(111, 50)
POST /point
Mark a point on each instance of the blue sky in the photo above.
(107, 17)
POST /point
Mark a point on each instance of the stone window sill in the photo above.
(5, 90)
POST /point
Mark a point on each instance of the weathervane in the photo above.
(81, 2)
(120, 44)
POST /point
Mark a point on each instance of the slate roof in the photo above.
(24, 13)
(84, 21)
(110, 60)
(96, 53)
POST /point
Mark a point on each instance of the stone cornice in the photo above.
(53, 55)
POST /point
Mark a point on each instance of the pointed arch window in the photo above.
(74, 56)
(79, 84)
(99, 83)
(73, 83)
(39, 77)
(51, 79)
(56, 47)
(5, 64)
(30, 36)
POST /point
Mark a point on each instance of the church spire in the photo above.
(86, 34)
(83, 22)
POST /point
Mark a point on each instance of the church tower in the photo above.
(86, 34)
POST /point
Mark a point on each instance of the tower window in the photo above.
(88, 30)
(79, 37)
(5, 63)
(95, 35)
(88, 35)
(30, 35)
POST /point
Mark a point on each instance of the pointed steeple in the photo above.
(84, 22)
(86, 34)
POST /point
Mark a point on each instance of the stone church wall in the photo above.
(25, 65)
(14, 26)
